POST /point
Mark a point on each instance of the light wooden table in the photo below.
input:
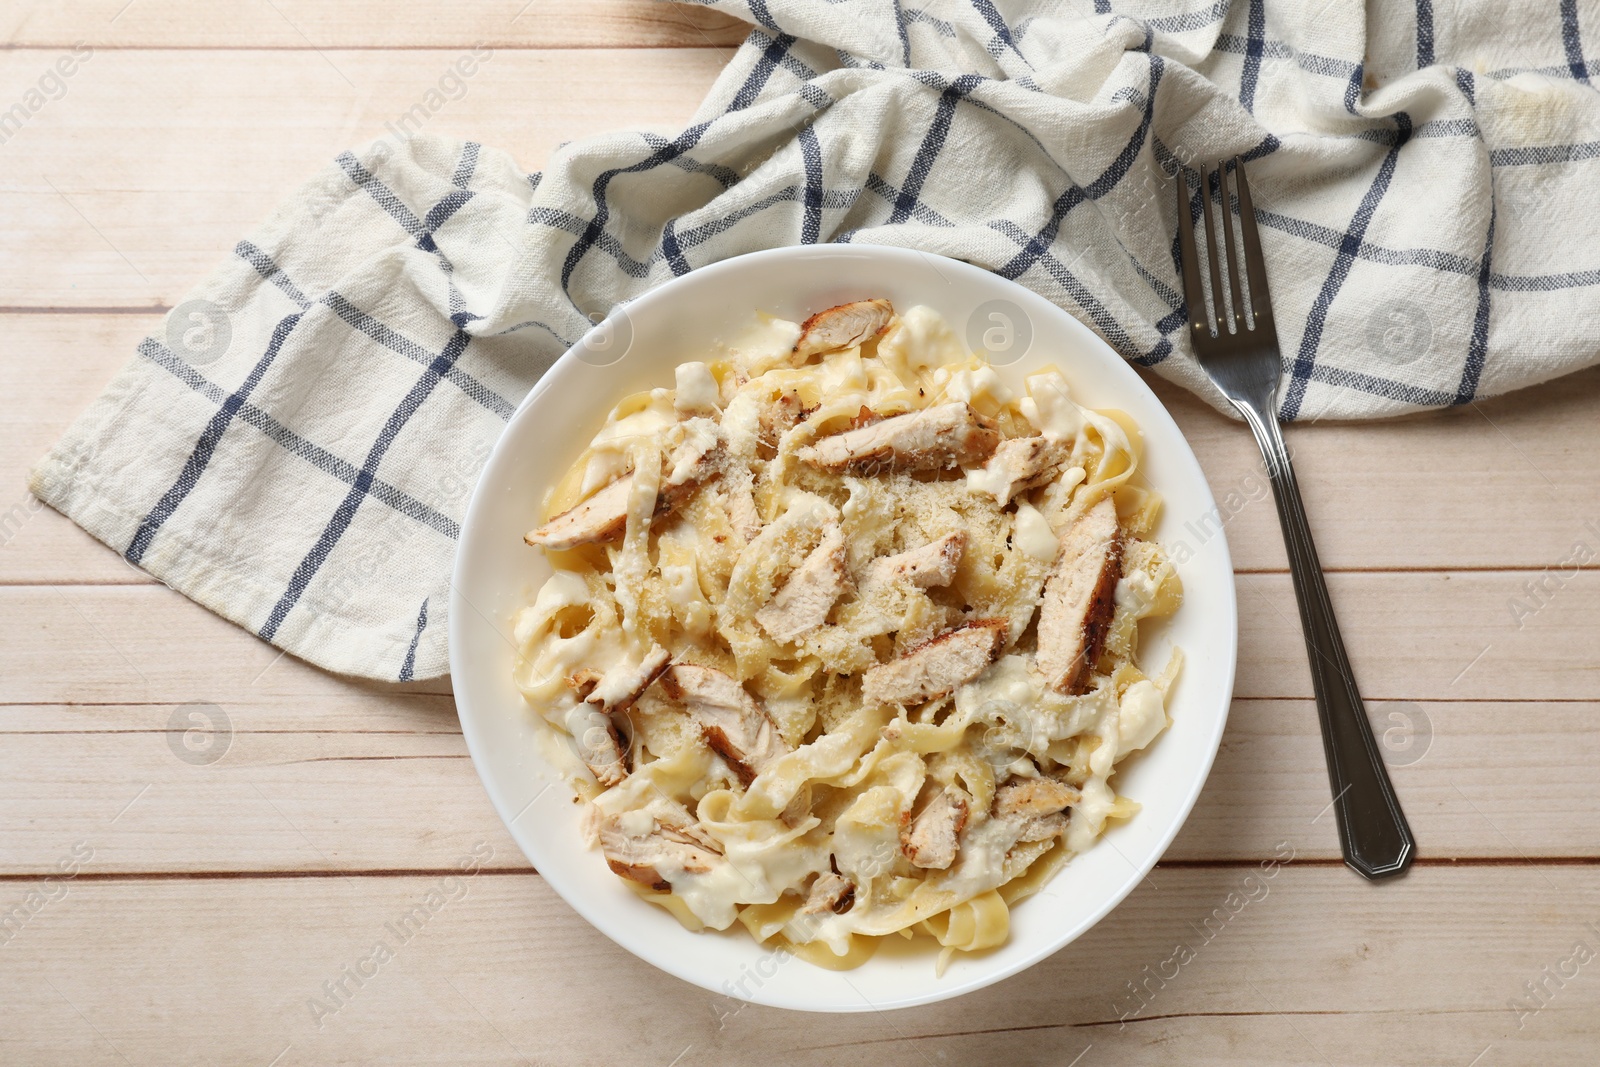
(213, 900)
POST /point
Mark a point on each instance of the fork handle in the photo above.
(1373, 833)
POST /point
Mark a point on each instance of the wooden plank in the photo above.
(132, 186)
(303, 24)
(38, 544)
(1507, 482)
(338, 709)
(1368, 511)
(1430, 636)
(269, 801)
(147, 644)
(372, 783)
(1492, 779)
(1316, 965)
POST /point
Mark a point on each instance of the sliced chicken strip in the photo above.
(803, 603)
(735, 726)
(617, 689)
(938, 667)
(933, 836)
(1034, 796)
(935, 438)
(843, 326)
(664, 839)
(1020, 464)
(1043, 827)
(1080, 597)
(604, 516)
(600, 744)
(699, 455)
(931, 565)
(830, 893)
(740, 504)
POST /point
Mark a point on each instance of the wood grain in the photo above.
(1438, 635)
(1319, 969)
(303, 25)
(1502, 483)
(63, 362)
(110, 197)
(146, 643)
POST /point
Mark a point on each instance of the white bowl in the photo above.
(496, 574)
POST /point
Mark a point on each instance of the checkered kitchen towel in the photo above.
(295, 451)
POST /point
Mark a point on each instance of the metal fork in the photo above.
(1240, 355)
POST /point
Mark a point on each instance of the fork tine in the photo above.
(1211, 252)
(1260, 300)
(1234, 264)
(1193, 293)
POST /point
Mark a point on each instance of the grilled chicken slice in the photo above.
(1041, 802)
(698, 457)
(830, 893)
(803, 603)
(1080, 597)
(844, 326)
(938, 667)
(933, 836)
(618, 688)
(599, 743)
(1034, 796)
(740, 505)
(664, 839)
(734, 725)
(931, 565)
(1043, 827)
(1022, 463)
(602, 517)
(935, 438)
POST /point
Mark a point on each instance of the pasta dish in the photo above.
(842, 634)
